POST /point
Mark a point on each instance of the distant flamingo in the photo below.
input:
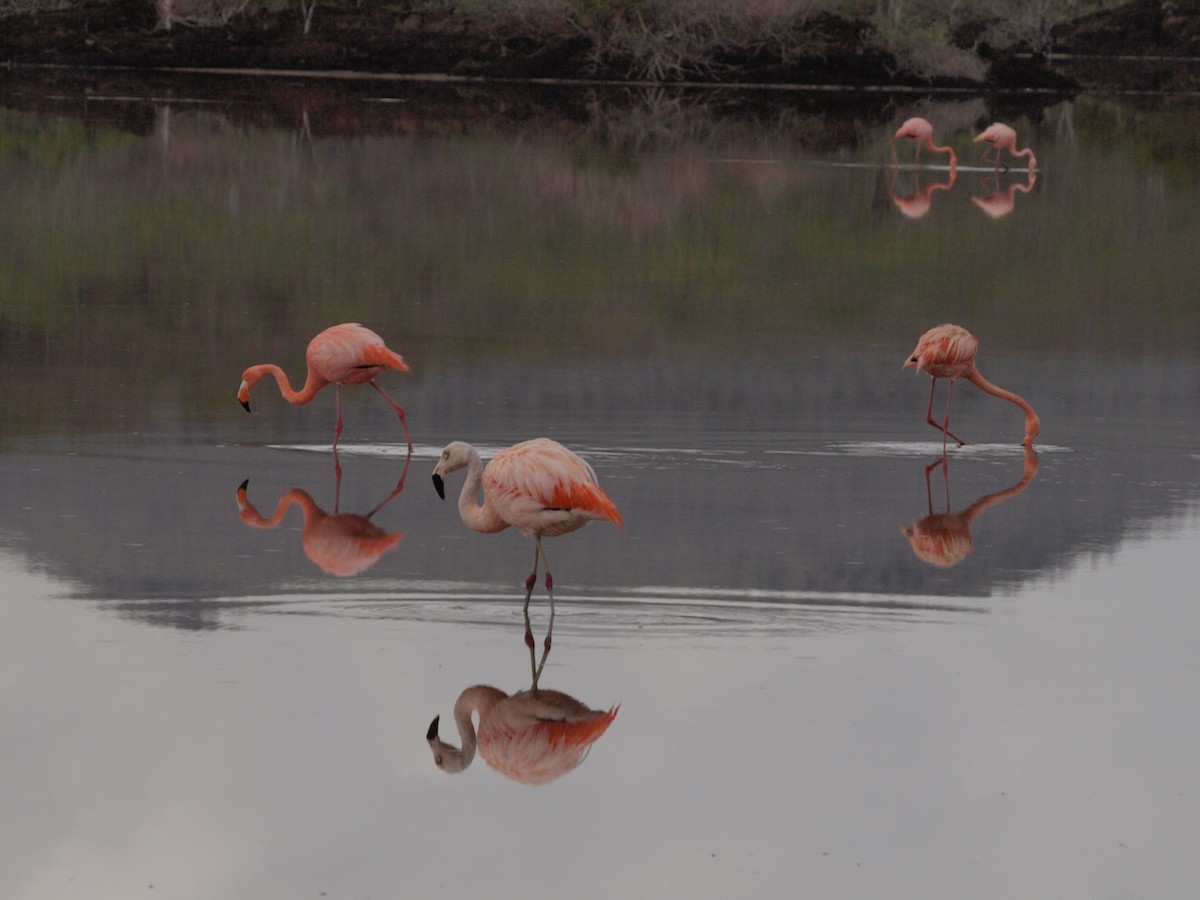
(944, 539)
(948, 351)
(999, 203)
(343, 354)
(341, 544)
(919, 130)
(1000, 137)
(538, 486)
(532, 737)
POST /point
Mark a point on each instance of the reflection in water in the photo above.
(944, 539)
(1001, 137)
(540, 487)
(532, 736)
(997, 203)
(916, 204)
(948, 351)
(339, 543)
(343, 354)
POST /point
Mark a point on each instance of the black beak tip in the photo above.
(440, 487)
(433, 729)
(245, 405)
(242, 486)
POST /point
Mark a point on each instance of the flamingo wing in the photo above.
(351, 354)
(542, 474)
(945, 351)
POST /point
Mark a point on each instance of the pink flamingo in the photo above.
(944, 539)
(948, 351)
(538, 486)
(341, 544)
(343, 354)
(533, 736)
(921, 131)
(1000, 137)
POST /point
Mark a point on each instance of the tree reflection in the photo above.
(341, 544)
(944, 539)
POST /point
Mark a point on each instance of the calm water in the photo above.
(709, 297)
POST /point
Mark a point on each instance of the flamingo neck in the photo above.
(1033, 425)
(251, 516)
(312, 384)
(1028, 151)
(478, 517)
(482, 699)
(947, 149)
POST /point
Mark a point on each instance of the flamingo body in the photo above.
(342, 354)
(1002, 137)
(532, 737)
(921, 131)
(948, 351)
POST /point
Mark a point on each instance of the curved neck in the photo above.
(947, 149)
(312, 384)
(1028, 151)
(1031, 468)
(481, 698)
(1032, 424)
(477, 517)
(250, 515)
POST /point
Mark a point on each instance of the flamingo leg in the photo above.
(530, 581)
(337, 480)
(550, 629)
(337, 428)
(399, 411)
(396, 491)
(942, 426)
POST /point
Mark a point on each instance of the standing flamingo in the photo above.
(343, 354)
(921, 131)
(1000, 137)
(948, 351)
(538, 486)
(532, 737)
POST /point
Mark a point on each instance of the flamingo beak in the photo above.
(440, 487)
(432, 733)
(245, 405)
(243, 395)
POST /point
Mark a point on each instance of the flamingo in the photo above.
(948, 351)
(532, 737)
(538, 486)
(341, 544)
(921, 131)
(944, 539)
(343, 354)
(1000, 137)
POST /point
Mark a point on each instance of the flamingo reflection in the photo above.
(341, 544)
(532, 737)
(917, 204)
(998, 203)
(944, 539)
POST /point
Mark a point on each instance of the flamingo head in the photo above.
(250, 378)
(1033, 427)
(446, 756)
(454, 456)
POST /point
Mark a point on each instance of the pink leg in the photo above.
(941, 426)
(399, 411)
(337, 428)
(396, 491)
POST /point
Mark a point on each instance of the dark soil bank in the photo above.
(123, 33)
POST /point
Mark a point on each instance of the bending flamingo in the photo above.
(538, 486)
(944, 539)
(1000, 137)
(921, 131)
(948, 351)
(343, 354)
(533, 737)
